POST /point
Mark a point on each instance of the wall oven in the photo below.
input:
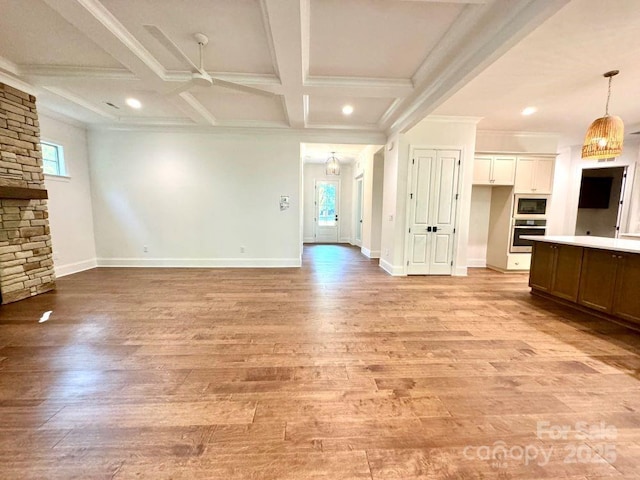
(530, 206)
(522, 227)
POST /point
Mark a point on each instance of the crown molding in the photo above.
(64, 71)
(309, 135)
(517, 133)
(47, 112)
(8, 66)
(14, 82)
(452, 119)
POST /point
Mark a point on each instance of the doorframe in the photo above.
(358, 179)
(315, 206)
(407, 217)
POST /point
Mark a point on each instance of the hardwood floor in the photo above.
(332, 371)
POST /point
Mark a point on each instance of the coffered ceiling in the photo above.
(394, 61)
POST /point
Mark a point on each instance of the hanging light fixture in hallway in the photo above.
(332, 167)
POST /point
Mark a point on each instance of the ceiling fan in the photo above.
(199, 76)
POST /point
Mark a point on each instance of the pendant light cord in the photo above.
(606, 110)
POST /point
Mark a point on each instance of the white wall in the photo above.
(372, 173)
(432, 132)
(479, 225)
(313, 172)
(566, 188)
(70, 214)
(195, 199)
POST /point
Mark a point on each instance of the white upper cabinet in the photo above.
(494, 170)
(534, 175)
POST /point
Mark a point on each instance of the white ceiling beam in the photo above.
(198, 111)
(98, 24)
(358, 87)
(61, 92)
(497, 27)
(288, 22)
(49, 72)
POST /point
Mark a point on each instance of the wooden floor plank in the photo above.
(333, 371)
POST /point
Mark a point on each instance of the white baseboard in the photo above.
(390, 269)
(345, 240)
(370, 253)
(308, 239)
(459, 272)
(70, 268)
(477, 262)
(201, 262)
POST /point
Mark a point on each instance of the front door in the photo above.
(432, 209)
(327, 197)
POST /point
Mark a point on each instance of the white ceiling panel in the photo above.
(228, 105)
(237, 38)
(375, 38)
(33, 33)
(558, 69)
(328, 110)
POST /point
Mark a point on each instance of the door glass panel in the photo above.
(326, 204)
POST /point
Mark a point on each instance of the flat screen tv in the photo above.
(595, 192)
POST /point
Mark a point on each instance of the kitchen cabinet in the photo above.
(626, 301)
(598, 279)
(556, 269)
(601, 279)
(494, 170)
(534, 175)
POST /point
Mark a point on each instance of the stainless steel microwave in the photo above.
(530, 206)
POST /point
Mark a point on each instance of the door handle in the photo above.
(336, 218)
(428, 229)
(435, 229)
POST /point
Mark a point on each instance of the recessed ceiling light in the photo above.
(347, 110)
(134, 103)
(529, 111)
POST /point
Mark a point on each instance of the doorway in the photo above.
(327, 208)
(599, 204)
(432, 211)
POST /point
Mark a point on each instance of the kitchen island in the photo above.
(596, 274)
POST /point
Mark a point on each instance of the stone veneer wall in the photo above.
(26, 259)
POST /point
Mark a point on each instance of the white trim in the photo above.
(453, 119)
(477, 262)
(70, 268)
(459, 272)
(370, 253)
(391, 270)
(200, 262)
(308, 240)
(345, 240)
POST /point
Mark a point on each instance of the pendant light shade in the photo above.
(605, 135)
(332, 167)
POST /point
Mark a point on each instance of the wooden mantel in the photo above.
(22, 193)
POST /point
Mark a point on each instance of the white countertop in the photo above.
(603, 243)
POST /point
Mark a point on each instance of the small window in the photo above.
(53, 159)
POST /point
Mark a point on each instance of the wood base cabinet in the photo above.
(605, 281)
(556, 269)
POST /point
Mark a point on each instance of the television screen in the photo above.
(595, 192)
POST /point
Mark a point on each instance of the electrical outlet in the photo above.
(241, 249)
(145, 249)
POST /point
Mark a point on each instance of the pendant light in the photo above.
(605, 135)
(332, 167)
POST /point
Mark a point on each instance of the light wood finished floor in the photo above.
(333, 371)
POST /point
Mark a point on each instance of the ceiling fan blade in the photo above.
(182, 88)
(170, 45)
(241, 88)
